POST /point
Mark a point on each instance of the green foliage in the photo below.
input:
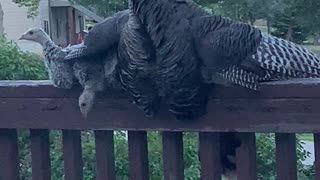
(32, 6)
(18, 65)
(104, 8)
(287, 27)
(265, 156)
(266, 159)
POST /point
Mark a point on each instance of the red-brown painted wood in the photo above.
(172, 143)
(138, 155)
(286, 156)
(9, 162)
(105, 161)
(209, 155)
(40, 154)
(72, 154)
(246, 157)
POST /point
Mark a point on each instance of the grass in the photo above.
(306, 137)
(315, 49)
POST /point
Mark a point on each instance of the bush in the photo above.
(18, 65)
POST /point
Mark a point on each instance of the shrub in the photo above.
(18, 65)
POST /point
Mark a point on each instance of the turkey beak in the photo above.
(22, 37)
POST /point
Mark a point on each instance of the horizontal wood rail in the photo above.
(284, 108)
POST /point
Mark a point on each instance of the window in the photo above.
(81, 24)
(58, 30)
(46, 26)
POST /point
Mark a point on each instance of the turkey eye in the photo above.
(31, 32)
(83, 104)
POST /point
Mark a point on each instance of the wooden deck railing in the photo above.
(284, 108)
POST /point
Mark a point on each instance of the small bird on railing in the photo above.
(91, 75)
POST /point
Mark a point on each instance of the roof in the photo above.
(62, 3)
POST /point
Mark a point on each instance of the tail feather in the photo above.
(234, 75)
(287, 58)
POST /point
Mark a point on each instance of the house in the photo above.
(61, 19)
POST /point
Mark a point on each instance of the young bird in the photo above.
(90, 74)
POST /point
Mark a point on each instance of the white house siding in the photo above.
(15, 23)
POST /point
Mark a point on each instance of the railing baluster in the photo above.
(172, 143)
(317, 155)
(246, 157)
(105, 161)
(9, 162)
(209, 155)
(138, 155)
(286, 157)
(72, 154)
(40, 153)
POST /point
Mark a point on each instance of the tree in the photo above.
(288, 22)
(32, 6)
(104, 8)
(1, 21)
(268, 10)
(309, 17)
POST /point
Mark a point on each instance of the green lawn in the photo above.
(305, 137)
(315, 49)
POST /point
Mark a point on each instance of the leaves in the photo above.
(18, 65)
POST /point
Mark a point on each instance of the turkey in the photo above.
(137, 61)
(91, 75)
(177, 72)
(189, 40)
(124, 36)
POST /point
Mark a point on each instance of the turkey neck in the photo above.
(47, 44)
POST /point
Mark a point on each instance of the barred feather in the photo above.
(272, 59)
(136, 55)
(60, 73)
(76, 53)
(233, 75)
(178, 76)
(286, 58)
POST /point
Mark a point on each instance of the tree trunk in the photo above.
(251, 19)
(1, 21)
(289, 33)
(269, 26)
(316, 39)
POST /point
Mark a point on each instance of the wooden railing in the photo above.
(284, 108)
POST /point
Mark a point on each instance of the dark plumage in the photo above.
(189, 40)
(137, 64)
(177, 67)
(101, 39)
(128, 38)
(238, 53)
